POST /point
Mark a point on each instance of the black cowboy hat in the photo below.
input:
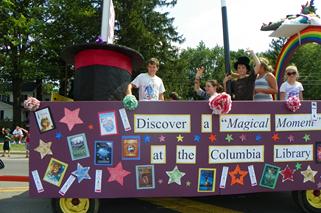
(243, 60)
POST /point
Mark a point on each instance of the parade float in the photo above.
(97, 147)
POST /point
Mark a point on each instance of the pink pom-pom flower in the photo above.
(293, 103)
(221, 103)
(31, 104)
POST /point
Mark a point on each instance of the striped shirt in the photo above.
(262, 83)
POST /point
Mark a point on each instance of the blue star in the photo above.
(197, 138)
(81, 173)
(58, 135)
(258, 137)
(147, 139)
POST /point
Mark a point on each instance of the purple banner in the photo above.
(100, 150)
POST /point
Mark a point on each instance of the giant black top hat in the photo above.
(103, 71)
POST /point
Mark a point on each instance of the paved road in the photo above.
(14, 199)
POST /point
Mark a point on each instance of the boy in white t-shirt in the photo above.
(151, 87)
(291, 87)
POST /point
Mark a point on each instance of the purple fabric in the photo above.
(89, 115)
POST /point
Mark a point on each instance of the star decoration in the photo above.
(229, 138)
(117, 174)
(180, 138)
(188, 183)
(197, 138)
(71, 118)
(306, 137)
(258, 137)
(319, 185)
(44, 148)
(212, 138)
(275, 137)
(309, 174)
(175, 176)
(90, 126)
(58, 135)
(243, 137)
(147, 139)
(162, 138)
(287, 174)
(81, 173)
(291, 138)
(237, 175)
(160, 181)
(298, 166)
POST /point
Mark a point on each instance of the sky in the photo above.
(201, 20)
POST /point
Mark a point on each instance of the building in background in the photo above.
(6, 100)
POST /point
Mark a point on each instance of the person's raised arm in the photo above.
(225, 80)
(256, 60)
(197, 81)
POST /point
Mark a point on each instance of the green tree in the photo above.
(192, 58)
(275, 49)
(67, 23)
(139, 25)
(20, 22)
(142, 26)
(307, 59)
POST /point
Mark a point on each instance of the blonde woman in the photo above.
(291, 87)
(265, 82)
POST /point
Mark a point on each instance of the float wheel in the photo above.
(308, 200)
(75, 205)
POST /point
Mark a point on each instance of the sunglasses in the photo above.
(291, 73)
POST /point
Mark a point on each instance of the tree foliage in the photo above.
(141, 25)
(192, 58)
(275, 49)
(20, 23)
(307, 59)
(34, 33)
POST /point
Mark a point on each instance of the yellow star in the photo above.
(44, 148)
(180, 138)
(309, 174)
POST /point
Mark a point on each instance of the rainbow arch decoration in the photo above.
(308, 35)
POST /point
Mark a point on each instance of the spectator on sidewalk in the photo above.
(17, 134)
(27, 139)
(6, 142)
